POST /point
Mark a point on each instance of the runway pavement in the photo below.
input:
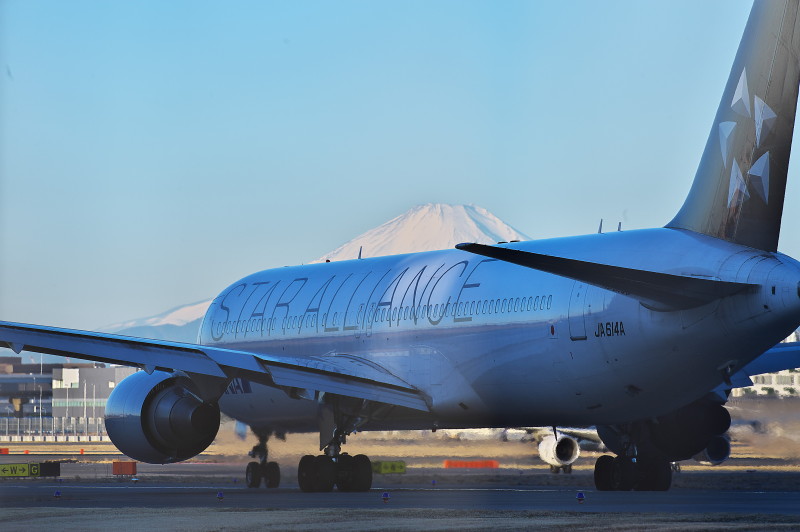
(115, 495)
(32, 505)
(185, 497)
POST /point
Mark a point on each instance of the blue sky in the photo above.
(151, 153)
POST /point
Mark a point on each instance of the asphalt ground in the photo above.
(115, 495)
(211, 496)
(757, 489)
(33, 505)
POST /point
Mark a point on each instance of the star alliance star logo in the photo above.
(764, 119)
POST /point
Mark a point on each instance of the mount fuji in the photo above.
(423, 228)
(427, 228)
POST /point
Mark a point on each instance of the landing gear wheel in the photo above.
(271, 472)
(325, 473)
(345, 472)
(307, 473)
(362, 473)
(567, 469)
(624, 473)
(253, 474)
(604, 473)
(554, 469)
(654, 475)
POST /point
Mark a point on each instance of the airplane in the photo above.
(639, 333)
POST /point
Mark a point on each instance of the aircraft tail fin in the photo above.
(738, 191)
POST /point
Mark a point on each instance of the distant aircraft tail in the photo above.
(738, 191)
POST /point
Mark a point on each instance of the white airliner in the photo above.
(640, 333)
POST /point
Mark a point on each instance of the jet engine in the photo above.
(158, 419)
(696, 430)
(690, 430)
(559, 451)
(716, 452)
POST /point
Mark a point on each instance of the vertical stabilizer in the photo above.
(738, 191)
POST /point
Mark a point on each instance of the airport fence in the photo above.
(51, 427)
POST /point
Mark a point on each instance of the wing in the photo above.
(341, 375)
(785, 355)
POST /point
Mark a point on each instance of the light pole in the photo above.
(41, 431)
(94, 411)
(85, 420)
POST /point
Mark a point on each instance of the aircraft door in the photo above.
(577, 323)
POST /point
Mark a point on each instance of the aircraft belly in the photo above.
(263, 406)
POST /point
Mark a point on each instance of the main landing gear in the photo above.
(347, 473)
(333, 467)
(623, 473)
(264, 470)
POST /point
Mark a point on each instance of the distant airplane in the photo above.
(639, 333)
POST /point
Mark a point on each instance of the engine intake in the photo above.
(561, 451)
(157, 418)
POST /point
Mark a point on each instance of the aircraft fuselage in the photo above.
(493, 344)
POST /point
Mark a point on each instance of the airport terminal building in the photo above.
(55, 402)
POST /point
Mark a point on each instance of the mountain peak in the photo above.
(428, 227)
(425, 227)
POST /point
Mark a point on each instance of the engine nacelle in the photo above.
(679, 435)
(689, 430)
(717, 451)
(561, 451)
(157, 419)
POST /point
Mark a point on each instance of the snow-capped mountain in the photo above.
(424, 228)
(180, 324)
